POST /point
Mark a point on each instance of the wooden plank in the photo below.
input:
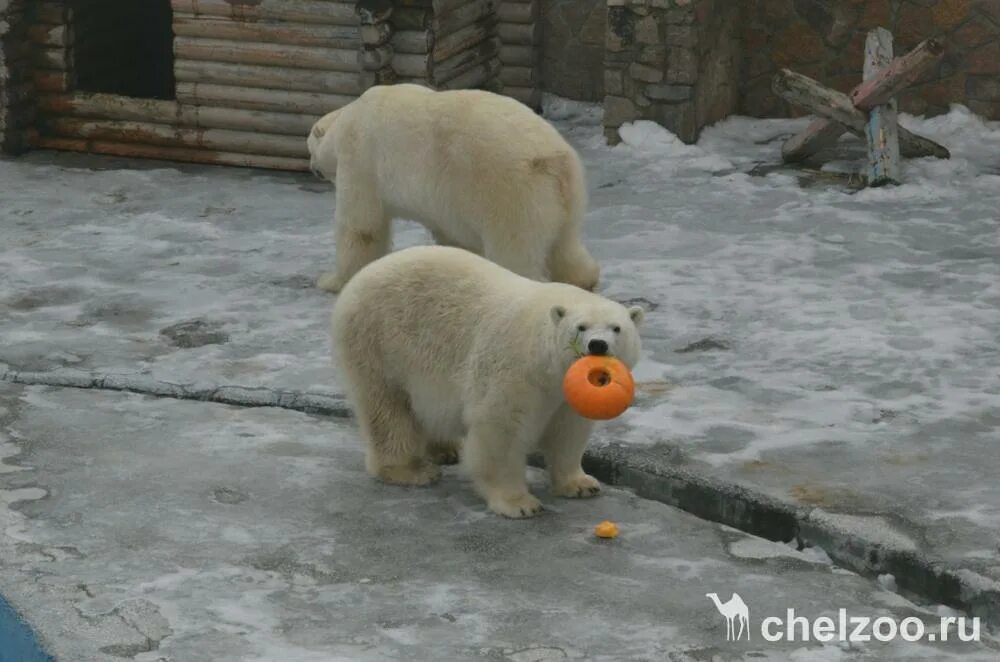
(293, 57)
(50, 35)
(413, 66)
(892, 78)
(519, 76)
(819, 135)
(517, 12)
(471, 12)
(412, 42)
(520, 56)
(297, 34)
(251, 98)
(529, 96)
(881, 128)
(52, 13)
(55, 59)
(298, 11)
(479, 75)
(467, 37)
(445, 70)
(116, 107)
(167, 135)
(51, 81)
(809, 94)
(183, 155)
(277, 78)
(513, 33)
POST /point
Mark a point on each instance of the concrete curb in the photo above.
(653, 472)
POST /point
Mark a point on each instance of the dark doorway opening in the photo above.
(124, 47)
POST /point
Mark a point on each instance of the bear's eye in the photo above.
(616, 329)
(581, 327)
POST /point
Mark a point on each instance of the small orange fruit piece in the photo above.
(599, 387)
(606, 529)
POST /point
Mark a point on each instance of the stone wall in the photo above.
(572, 58)
(825, 40)
(675, 62)
(16, 110)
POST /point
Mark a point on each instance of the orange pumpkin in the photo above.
(606, 529)
(599, 387)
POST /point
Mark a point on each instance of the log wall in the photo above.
(520, 36)
(248, 79)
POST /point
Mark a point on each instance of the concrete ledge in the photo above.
(868, 545)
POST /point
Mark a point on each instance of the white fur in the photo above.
(481, 171)
(439, 346)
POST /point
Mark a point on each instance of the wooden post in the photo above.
(881, 127)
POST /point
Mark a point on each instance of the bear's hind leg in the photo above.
(563, 444)
(362, 230)
(397, 447)
(569, 261)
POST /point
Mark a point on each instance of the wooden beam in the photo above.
(252, 98)
(276, 78)
(881, 128)
(895, 76)
(296, 34)
(298, 11)
(819, 100)
(242, 52)
(819, 135)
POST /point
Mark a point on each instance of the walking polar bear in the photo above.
(481, 171)
(439, 346)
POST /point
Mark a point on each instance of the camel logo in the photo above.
(732, 610)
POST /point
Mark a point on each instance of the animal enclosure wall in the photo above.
(236, 82)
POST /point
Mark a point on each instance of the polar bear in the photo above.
(481, 171)
(438, 345)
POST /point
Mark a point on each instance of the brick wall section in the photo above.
(16, 111)
(825, 40)
(520, 35)
(675, 62)
(573, 36)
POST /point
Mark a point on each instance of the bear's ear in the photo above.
(636, 313)
(318, 131)
(557, 312)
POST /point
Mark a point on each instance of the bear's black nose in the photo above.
(598, 347)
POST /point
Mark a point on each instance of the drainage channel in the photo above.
(18, 642)
(650, 475)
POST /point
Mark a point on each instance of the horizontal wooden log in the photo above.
(513, 33)
(445, 70)
(482, 75)
(519, 76)
(293, 57)
(896, 76)
(529, 96)
(52, 13)
(809, 94)
(115, 107)
(56, 59)
(298, 11)
(167, 135)
(467, 14)
(517, 12)
(518, 56)
(52, 81)
(50, 35)
(183, 155)
(251, 98)
(467, 37)
(296, 34)
(819, 135)
(277, 78)
(411, 18)
(413, 66)
(412, 42)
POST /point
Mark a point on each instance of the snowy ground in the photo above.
(832, 348)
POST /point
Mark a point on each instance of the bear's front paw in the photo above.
(331, 282)
(579, 486)
(518, 507)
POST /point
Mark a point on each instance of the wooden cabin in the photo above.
(236, 82)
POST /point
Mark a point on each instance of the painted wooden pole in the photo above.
(881, 129)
